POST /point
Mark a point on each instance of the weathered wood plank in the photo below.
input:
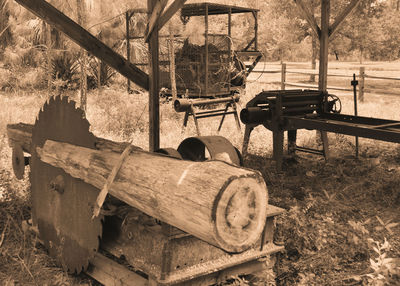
(86, 40)
(154, 99)
(220, 203)
(21, 134)
(171, 10)
(309, 17)
(339, 19)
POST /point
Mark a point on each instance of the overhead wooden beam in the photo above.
(339, 19)
(86, 40)
(309, 17)
(171, 10)
(154, 101)
(155, 14)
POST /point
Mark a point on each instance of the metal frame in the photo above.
(290, 110)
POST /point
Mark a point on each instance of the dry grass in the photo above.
(321, 198)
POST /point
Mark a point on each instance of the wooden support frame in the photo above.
(154, 85)
(230, 108)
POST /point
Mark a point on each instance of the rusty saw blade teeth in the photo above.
(63, 217)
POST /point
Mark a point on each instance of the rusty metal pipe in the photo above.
(254, 115)
(182, 105)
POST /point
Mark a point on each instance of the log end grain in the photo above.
(240, 212)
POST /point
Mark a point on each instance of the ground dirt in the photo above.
(341, 225)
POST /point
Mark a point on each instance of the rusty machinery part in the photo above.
(19, 161)
(183, 105)
(218, 148)
(334, 103)
(170, 152)
(62, 206)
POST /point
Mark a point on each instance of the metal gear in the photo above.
(62, 206)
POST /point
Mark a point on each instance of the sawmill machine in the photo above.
(292, 110)
(177, 217)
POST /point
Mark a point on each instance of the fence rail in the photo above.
(361, 76)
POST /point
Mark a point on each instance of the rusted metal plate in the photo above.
(171, 259)
(203, 148)
(62, 206)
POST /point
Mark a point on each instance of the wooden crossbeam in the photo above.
(86, 40)
(171, 10)
(157, 10)
(339, 19)
(309, 17)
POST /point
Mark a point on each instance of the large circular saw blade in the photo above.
(62, 206)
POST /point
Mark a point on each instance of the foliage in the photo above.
(64, 71)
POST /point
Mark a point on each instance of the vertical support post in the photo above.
(283, 76)
(323, 62)
(49, 59)
(324, 41)
(172, 68)
(83, 56)
(354, 83)
(247, 131)
(362, 83)
(128, 45)
(206, 49)
(229, 46)
(154, 102)
(255, 14)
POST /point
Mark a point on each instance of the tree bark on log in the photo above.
(20, 134)
(217, 202)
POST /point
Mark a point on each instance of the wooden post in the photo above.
(49, 59)
(323, 62)
(128, 45)
(229, 48)
(171, 50)
(255, 14)
(362, 84)
(324, 41)
(283, 76)
(83, 55)
(206, 49)
(154, 103)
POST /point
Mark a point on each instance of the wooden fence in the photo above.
(361, 77)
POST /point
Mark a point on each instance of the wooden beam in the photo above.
(171, 10)
(86, 40)
(154, 101)
(155, 14)
(324, 41)
(309, 17)
(339, 19)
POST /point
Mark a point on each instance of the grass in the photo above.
(338, 212)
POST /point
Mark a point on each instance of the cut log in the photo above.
(222, 204)
(20, 134)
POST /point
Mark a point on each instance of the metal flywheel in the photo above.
(62, 206)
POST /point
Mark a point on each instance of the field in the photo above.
(342, 221)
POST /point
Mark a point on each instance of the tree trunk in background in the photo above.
(313, 47)
(83, 55)
(5, 33)
(49, 59)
